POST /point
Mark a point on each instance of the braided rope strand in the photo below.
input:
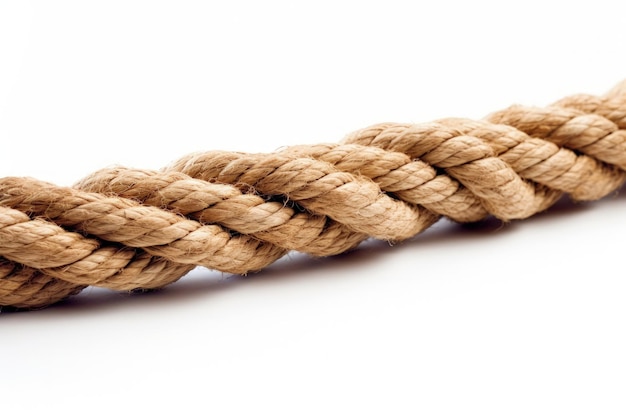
(129, 229)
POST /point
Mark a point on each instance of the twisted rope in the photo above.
(128, 229)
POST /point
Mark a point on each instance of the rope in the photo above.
(128, 229)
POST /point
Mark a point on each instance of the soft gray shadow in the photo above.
(201, 283)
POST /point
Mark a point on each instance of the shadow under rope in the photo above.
(201, 282)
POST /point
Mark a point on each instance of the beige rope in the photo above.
(129, 229)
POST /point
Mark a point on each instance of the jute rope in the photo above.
(128, 229)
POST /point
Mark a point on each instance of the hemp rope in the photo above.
(129, 229)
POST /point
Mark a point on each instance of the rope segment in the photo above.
(128, 229)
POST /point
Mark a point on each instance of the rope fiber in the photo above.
(128, 229)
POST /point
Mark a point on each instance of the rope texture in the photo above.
(128, 229)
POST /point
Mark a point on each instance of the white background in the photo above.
(521, 319)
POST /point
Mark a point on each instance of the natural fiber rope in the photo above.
(128, 229)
